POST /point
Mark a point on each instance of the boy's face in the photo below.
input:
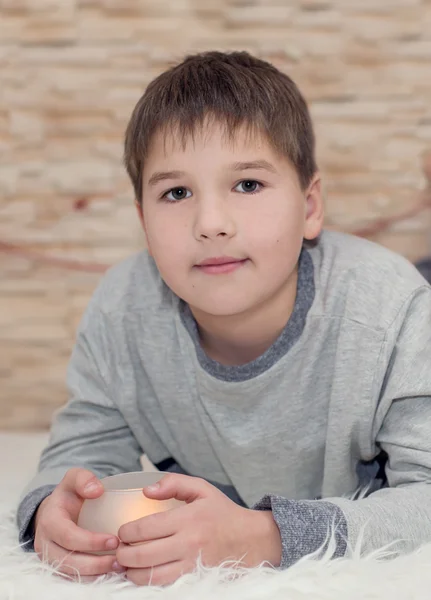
(238, 206)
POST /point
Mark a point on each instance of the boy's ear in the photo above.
(314, 209)
(139, 208)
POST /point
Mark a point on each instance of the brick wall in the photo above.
(70, 73)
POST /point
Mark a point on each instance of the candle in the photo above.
(122, 501)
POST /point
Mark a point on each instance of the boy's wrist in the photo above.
(267, 539)
(39, 511)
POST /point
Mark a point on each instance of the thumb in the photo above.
(82, 482)
(180, 487)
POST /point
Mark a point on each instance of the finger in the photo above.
(73, 538)
(153, 527)
(150, 554)
(77, 563)
(181, 487)
(159, 576)
(81, 482)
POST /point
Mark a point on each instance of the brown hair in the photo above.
(232, 88)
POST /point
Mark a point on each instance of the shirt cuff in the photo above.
(306, 527)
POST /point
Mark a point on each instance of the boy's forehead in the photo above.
(172, 140)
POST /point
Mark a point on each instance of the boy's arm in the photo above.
(90, 431)
(400, 515)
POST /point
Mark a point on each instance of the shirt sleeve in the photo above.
(396, 518)
(90, 431)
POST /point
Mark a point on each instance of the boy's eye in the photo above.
(178, 193)
(248, 186)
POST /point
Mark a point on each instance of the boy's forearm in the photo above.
(395, 517)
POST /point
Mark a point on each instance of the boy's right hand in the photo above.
(58, 539)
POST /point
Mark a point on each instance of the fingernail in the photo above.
(111, 544)
(117, 567)
(153, 488)
(91, 487)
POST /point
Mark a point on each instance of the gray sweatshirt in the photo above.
(341, 400)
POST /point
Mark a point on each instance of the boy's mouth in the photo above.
(220, 264)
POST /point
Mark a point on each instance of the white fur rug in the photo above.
(23, 577)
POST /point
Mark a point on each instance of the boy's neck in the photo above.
(238, 339)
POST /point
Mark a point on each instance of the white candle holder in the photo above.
(122, 501)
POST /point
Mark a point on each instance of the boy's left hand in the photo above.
(210, 525)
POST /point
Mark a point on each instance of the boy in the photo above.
(281, 366)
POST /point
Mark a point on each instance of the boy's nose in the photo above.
(212, 221)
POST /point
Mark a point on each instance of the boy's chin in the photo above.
(222, 307)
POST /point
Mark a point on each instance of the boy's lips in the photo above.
(218, 260)
(220, 264)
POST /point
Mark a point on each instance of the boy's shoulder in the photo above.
(132, 285)
(346, 253)
(362, 280)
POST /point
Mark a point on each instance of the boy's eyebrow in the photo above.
(238, 166)
(162, 175)
(255, 164)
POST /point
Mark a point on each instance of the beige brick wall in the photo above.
(70, 73)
